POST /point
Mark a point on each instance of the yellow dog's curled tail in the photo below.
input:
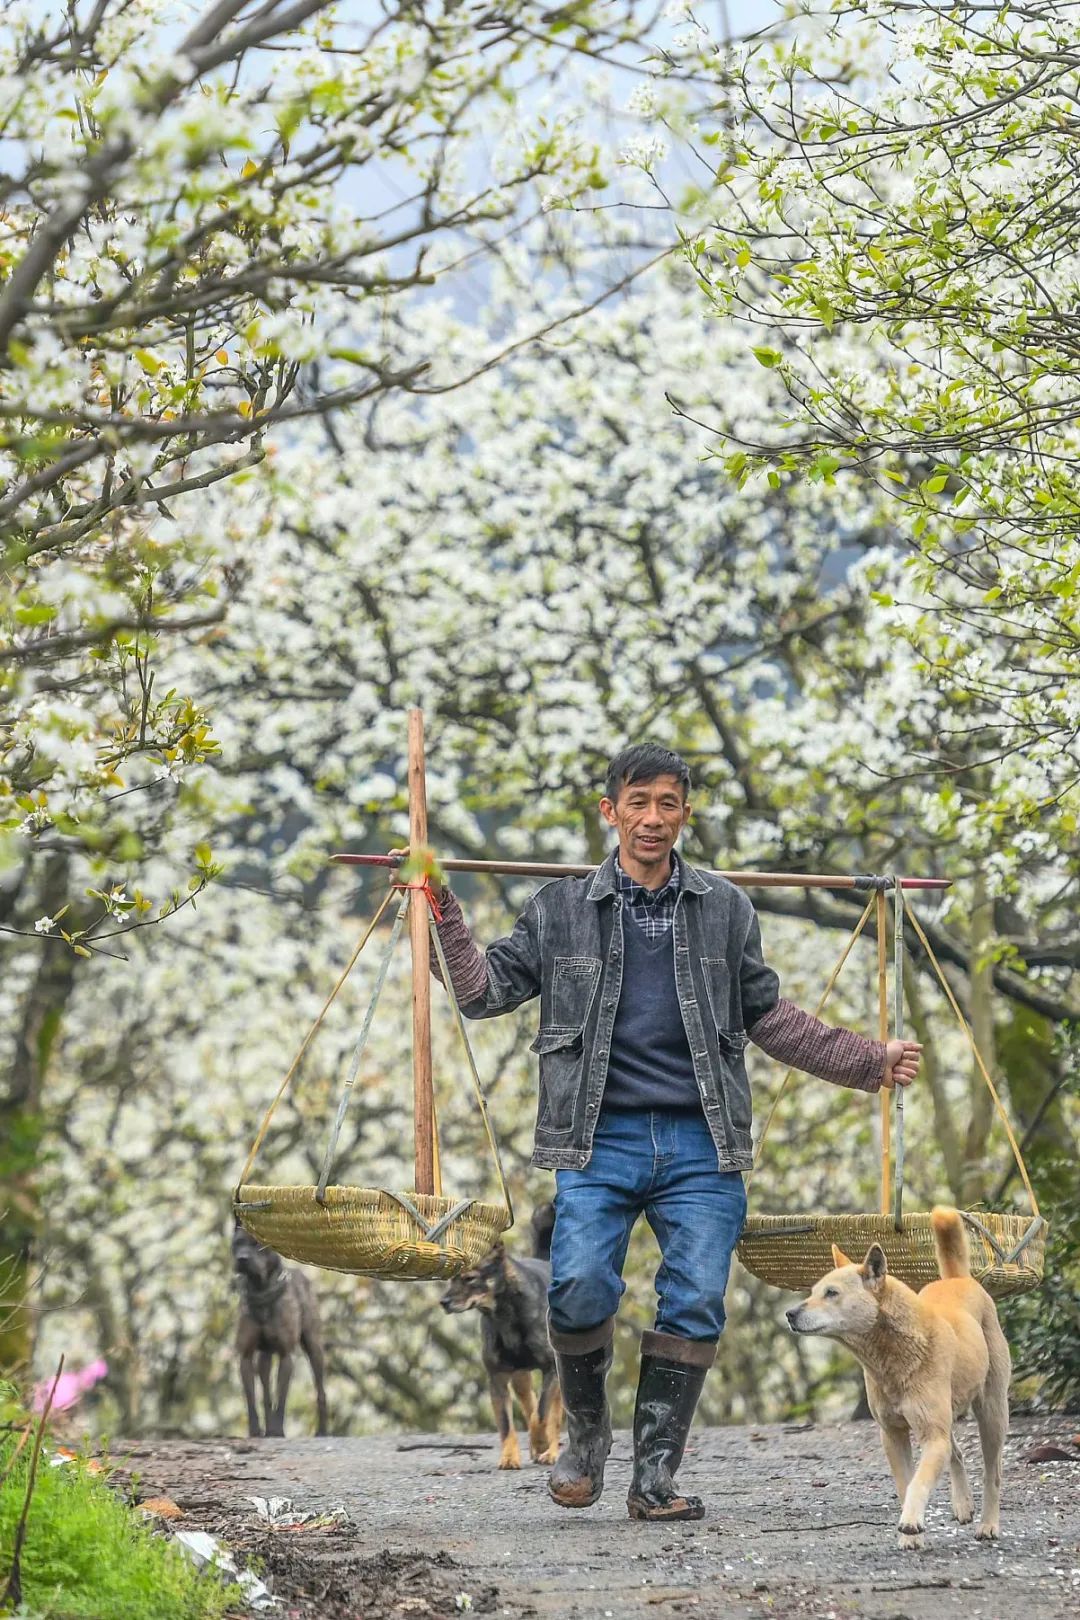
(951, 1242)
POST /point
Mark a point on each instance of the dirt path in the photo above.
(800, 1523)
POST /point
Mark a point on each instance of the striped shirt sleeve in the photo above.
(840, 1055)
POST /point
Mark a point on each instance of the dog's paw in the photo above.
(964, 1514)
(509, 1462)
(987, 1532)
(910, 1538)
(549, 1457)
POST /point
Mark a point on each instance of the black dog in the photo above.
(278, 1312)
(511, 1296)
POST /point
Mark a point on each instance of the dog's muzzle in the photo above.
(792, 1315)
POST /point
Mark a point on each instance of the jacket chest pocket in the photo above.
(573, 986)
(718, 989)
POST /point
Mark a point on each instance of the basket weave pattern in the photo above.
(793, 1251)
(364, 1231)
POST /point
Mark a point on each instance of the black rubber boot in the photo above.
(577, 1479)
(667, 1397)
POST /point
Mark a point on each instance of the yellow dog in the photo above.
(926, 1357)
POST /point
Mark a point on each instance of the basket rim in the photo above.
(270, 1194)
(987, 1216)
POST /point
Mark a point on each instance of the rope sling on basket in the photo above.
(793, 1251)
(379, 1232)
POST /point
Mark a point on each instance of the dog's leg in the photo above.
(991, 1410)
(284, 1379)
(963, 1503)
(314, 1351)
(935, 1454)
(896, 1441)
(551, 1412)
(264, 1380)
(991, 1413)
(247, 1378)
(522, 1384)
(993, 1420)
(509, 1456)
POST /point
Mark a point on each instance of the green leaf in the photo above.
(767, 357)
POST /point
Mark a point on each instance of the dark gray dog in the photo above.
(278, 1313)
(511, 1296)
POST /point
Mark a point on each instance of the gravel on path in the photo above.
(800, 1522)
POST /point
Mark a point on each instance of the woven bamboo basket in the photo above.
(376, 1232)
(372, 1232)
(793, 1251)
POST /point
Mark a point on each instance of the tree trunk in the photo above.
(22, 1124)
(944, 1122)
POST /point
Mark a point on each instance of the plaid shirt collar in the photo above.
(652, 909)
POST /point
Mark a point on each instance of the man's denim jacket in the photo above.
(567, 947)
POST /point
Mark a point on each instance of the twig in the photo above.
(437, 1445)
(801, 1529)
(13, 1590)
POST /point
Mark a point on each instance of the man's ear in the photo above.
(839, 1258)
(607, 810)
(875, 1268)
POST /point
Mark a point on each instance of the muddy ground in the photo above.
(800, 1523)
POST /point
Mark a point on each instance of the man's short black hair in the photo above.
(644, 763)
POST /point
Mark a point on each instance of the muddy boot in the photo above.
(583, 1360)
(673, 1374)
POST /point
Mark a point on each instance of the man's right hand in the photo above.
(439, 889)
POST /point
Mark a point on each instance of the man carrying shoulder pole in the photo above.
(651, 981)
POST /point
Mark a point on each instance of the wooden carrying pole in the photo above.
(423, 1098)
(746, 880)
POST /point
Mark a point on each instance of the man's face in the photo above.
(649, 817)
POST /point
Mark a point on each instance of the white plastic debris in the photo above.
(204, 1549)
(463, 1601)
(279, 1513)
(274, 1509)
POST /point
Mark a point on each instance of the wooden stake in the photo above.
(423, 1115)
(883, 1035)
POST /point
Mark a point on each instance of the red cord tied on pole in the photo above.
(422, 872)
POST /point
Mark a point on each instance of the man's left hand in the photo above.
(901, 1063)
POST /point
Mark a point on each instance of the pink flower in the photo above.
(70, 1386)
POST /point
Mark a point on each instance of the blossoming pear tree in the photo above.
(550, 571)
(891, 219)
(210, 213)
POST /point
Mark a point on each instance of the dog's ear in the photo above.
(875, 1268)
(839, 1258)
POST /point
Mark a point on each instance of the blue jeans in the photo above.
(660, 1163)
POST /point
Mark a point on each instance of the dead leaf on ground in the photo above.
(161, 1507)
